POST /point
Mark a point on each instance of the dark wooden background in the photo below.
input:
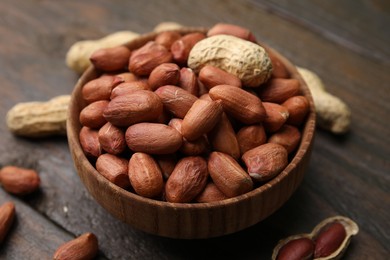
(345, 42)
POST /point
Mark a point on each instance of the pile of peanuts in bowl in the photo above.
(190, 118)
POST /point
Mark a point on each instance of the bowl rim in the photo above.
(73, 128)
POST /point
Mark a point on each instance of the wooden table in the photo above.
(345, 42)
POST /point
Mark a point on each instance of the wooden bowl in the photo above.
(189, 220)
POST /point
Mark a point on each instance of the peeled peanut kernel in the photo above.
(210, 193)
(143, 61)
(145, 175)
(239, 103)
(19, 181)
(114, 169)
(189, 81)
(329, 239)
(250, 137)
(127, 76)
(83, 247)
(228, 175)
(278, 90)
(278, 68)
(147, 47)
(181, 48)
(265, 161)
(111, 59)
(196, 147)
(277, 115)
(77, 57)
(212, 76)
(153, 138)
(100, 88)
(139, 106)
(166, 38)
(112, 139)
(89, 141)
(299, 248)
(298, 107)
(287, 136)
(223, 138)
(176, 100)
(187, 180)
(167, 163)
(92, 115)
(7, 216)
(164, 74)
(129, 88)
(200, 119)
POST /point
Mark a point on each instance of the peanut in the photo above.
(129, 88)
(189, 81)
(181, 48)
(328, 240)
(210, 193)
(298, 108)
(164, 74)
(167, 163)
(145, 175)
(187, 180)
(265, 161)
(239, 103)
(223, 138)
(19, 181)
(111, 59)
(176, 100)
(83, 247)
(92, 115)
(200, 119)
(196, 147)
(247, 60)
(300, 248)
(332, 113)
(212, 76)
(139, 106)
(77, 57)
(114, 169)
(278, 68)
(228, 175)
(39, 119)
(112, 139)
(153, 138)
(251, 136)
(279, 90)
(127, 76)
(287, 136)
(167, 38)
(89, 141)
(100, 88)
(7, 216)
(143, 61)
(277, 115)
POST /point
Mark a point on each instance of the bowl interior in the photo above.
(189, 220)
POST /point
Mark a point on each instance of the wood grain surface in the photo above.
(346, 44)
